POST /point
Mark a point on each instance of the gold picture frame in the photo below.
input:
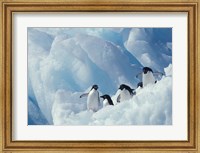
(192, 7)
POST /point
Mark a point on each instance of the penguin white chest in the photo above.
(148, 78)
(93, 100)
(105, 103)
(125, 95)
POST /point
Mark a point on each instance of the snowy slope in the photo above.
(67, 61)
(150, 106)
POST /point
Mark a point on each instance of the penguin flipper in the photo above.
(110, 102)
(118, 98)
(98, 99)
(84, 95)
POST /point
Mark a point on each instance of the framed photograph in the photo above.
(79, 76)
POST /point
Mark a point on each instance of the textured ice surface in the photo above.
(64, 62)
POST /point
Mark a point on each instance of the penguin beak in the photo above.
(101, 96)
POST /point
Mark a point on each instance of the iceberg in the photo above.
(63, 63)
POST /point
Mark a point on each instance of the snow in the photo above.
(168, 70)
(64, 63)
(150, 106)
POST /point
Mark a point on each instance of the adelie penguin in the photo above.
(107, 100)
(147, 76)
(93, 99)
(140, 84)
(125, 93)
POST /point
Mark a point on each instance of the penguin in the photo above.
(93, 99)
(126, 93)
(107, 100)
(140, 84)
(147, 76)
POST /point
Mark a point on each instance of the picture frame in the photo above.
(10, 7)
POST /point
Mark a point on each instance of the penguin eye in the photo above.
(145, 71)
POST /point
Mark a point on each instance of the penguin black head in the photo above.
(95, 87)
(140, 84)
(123, 86)
(105, 96)
(147, 69)
(108, 98)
